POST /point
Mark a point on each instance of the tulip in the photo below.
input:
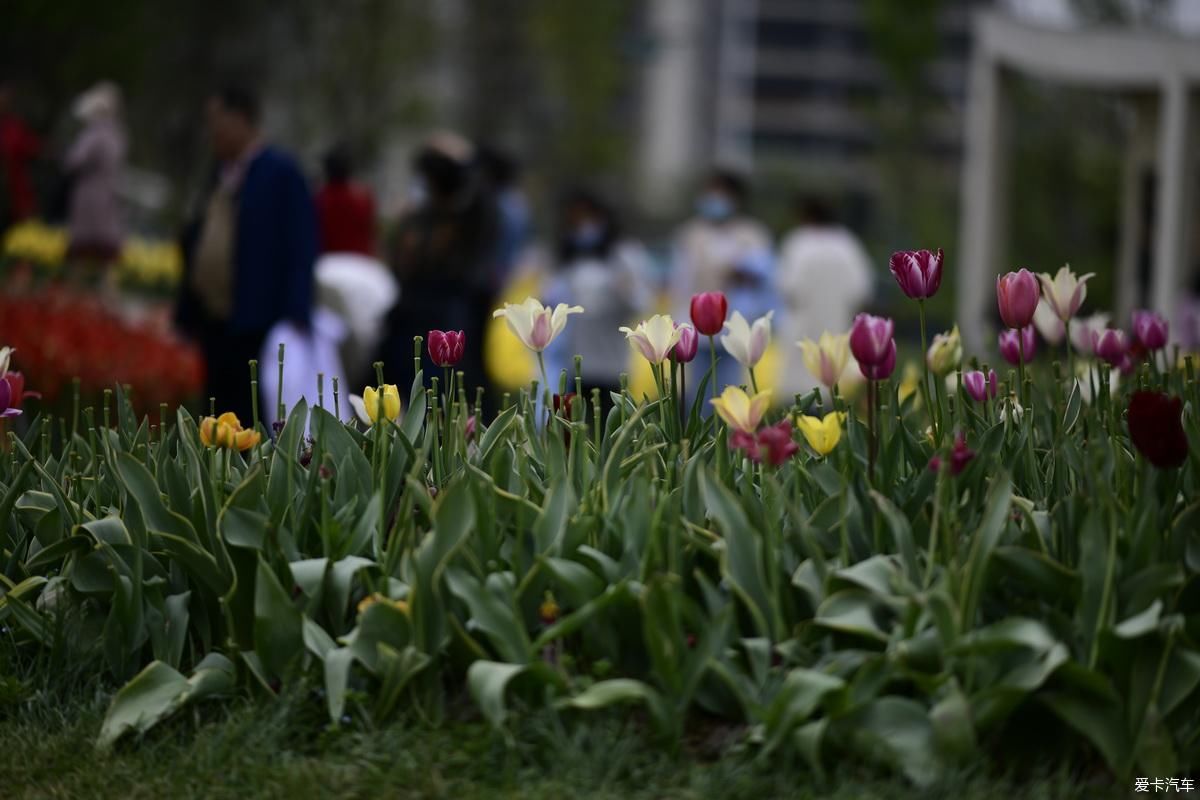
(469, 428)
(980, 386)
(775, 443)
(1156, 428)
(1084, 332)
(884, 369)
(822, 434)
(1012, 341)
(960, 456)
(654, 338)
(945, 353)
(373, 404)
(708, 312)
(7, 407)
(1112, 345)
(227, 431)
(1064, 292)
(534, 324)
(746, 342)
(1052, 329)
(870, 340)
(740, 411)
(446, 347)
(1017, 295)
(1150, 329)
(826, 358)
(919, 272)
(689, 342)
(10, 404)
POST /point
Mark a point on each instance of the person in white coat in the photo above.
(824, 277)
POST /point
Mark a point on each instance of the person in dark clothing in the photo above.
(345, 208)
(440, 253)
(250, 254)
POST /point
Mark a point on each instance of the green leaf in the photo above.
(896, 731)
(850, 611)
(624, 690)
(158, 691)
(491, 615)
(902, 534)
(742, 557)
(277, 622)
(1140, 624)
(1097, 719)
(337, 678)
(802, 692)
(487, 680)
(987, 536)
(551, 524)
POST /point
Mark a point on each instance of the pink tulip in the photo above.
(919, 272)
(884, 369)
(1112, 345)
(870, 340)
(980, 386)
(689, 341)
(708, 312)
(960, 456)
(1010, 344)
(1017, 294)
(1150, 329)
(446, 347)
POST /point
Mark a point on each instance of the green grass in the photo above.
(284, 749)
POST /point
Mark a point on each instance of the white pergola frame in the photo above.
(1148, 65)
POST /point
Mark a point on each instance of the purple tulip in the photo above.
(885, 368)
(6, 397)
(960, 456)
(870, 340)
(1017, 294)
(1150, 329)
(919, 272)
(980, 386)
(1112, 345)
(1010, 344)
(689, 341)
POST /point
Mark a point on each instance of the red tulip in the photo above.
(446, 347)
(919, 272)
(1150, 329)
(870, 340)
(1017, 294)
(884, 369)
(1156, 428)
(1010, 344)
(775, 442)
(708, 312)
(960, 456)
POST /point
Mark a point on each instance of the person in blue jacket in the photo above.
(250, 254)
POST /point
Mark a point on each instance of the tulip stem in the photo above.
(280, 411)
(712, 352)
(336, 408)
(934, 411)
(871, 390)
(254, 393)
(753, 381)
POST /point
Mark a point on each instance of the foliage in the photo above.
(1043, 600)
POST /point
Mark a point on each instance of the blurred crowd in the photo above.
(268, 260)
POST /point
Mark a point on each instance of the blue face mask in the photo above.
(714, 206)
(587, 235)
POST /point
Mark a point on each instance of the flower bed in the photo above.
(1011, 567)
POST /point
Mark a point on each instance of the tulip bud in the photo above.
(1111, 345)
(1150, 329)
(1017, 294)
(708, 312)
(870, 340)
(945, 353)
(446, 347)
(980, 386)
(919, 272)
(1011, 341)
(685, 349)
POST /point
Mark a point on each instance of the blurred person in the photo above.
(440, 253)
(501, 179)
(93, 165)
(345, 208)
(723, 249)
(607, 275)
(19, 146)
(824, 277)
(250, 254)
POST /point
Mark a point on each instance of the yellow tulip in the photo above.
(373, 401)
(227, 431)
(945, 353)
(739, 410)
(822, 435)
(826, 358)
(376, 597)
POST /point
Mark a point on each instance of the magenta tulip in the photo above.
(708, 312)
(919, 272)
(884, 369)
(446, 347)
(980, 386)
(870, 339)
(1010, 344)
(689, 341)
(1017, 294)
(1112, 345)
(960, 456)
(1150, 329)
